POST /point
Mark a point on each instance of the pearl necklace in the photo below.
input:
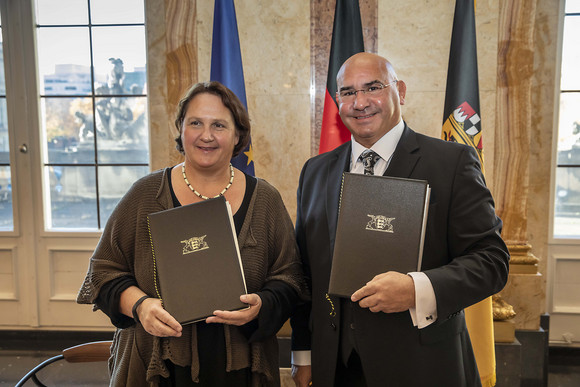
(203, 196)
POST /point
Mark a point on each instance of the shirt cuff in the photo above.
(301, 358)
(425, 311)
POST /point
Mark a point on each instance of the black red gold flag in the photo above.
(347, 40)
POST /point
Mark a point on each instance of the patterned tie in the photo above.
(369, 158)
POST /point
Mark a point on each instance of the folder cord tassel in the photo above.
(332, 312)
(155, 280)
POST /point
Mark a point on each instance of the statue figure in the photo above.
(114, 114)
(86, 126)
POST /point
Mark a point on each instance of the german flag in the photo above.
(462, 123)
(347, 40)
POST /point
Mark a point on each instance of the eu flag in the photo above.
(226, 66)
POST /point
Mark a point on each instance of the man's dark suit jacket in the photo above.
(464, 257)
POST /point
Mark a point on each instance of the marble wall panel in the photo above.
(275, 46)
(204, 24)
(281, 141)
(423, 110)
(415, 37)
(487, 103)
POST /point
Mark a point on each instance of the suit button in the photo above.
(352, 326)
(333, 326)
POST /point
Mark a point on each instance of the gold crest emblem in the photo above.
(380, 223)
(194, 244)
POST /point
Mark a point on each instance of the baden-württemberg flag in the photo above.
(462, 123)
(461, 118)
(347, 40)
(226, 66)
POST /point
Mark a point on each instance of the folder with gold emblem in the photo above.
(197, 260)
(381, 227)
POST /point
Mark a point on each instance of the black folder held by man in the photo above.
(381, 227)
(197, 259)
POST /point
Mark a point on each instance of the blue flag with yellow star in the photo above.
(226, 66)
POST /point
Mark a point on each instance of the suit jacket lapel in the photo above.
(336, 166)
(406, 155)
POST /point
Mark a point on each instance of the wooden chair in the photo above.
(83, 353)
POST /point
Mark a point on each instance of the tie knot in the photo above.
(369, 158)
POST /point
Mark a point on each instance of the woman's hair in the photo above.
(229, 99)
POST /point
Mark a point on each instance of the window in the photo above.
(567, 194)
(93, 94)
(6, 215)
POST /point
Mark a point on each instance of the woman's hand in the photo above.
(239, 317)
(156, 320)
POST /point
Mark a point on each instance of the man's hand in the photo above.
(302, 375)
(156, 320)
(238, 317)
(388, 292)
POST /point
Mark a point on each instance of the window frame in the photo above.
(558, 91)
(95, 165)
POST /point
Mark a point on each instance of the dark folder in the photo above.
(197, 260)
(381, 227)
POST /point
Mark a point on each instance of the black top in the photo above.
(277, 300)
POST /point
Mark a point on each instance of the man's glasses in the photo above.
(371, 90)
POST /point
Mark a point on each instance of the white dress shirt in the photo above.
(425, 311)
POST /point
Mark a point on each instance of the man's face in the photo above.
(369, 116)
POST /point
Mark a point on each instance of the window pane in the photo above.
(569, 129)
(62, 12)
(2, 77)
(567, 205)
(571, 54)
(68, 127)
(6, 215)
(4, 140)
(64, 61)
(572, 6)
(114, 182)
(72, 197)
(115, 11)
(122, 121)
(6, 212)
(120, 63)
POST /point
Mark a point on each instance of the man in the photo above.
(401, 329)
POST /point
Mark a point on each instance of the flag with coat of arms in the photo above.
(462, 124)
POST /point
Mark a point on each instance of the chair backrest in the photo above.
(84, 353)
(88, 352)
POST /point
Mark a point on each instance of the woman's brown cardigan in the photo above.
(268, 251)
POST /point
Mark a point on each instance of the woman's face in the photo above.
(208, 132)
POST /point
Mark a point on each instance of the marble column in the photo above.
(512, 160)
(171, 70)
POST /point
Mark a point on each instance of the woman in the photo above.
(236, 348)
